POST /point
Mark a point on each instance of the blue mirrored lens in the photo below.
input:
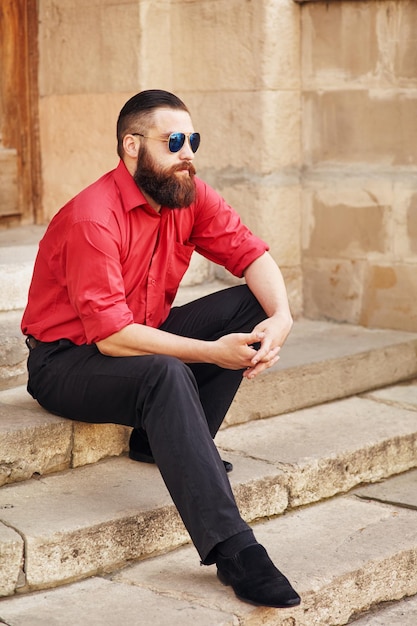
(176, 141)
(194, 141)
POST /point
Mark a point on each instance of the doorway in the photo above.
(20, 171)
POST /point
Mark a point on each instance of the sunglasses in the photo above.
(176, 140)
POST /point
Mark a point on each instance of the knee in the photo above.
(171, 371)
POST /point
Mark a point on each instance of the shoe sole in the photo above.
(290, 605)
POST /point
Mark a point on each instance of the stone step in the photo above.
(344, 556)
(13, 351)
(95, 518)
(323, 361)
(18, 248)
(402, 613)
(320, 362)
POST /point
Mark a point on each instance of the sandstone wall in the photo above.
(359, 216)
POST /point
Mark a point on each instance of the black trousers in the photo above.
(180, 406)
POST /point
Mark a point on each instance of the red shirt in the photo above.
(108, 259)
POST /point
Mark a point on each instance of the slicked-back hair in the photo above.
(137, 112)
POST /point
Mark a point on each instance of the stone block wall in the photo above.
(359, 220)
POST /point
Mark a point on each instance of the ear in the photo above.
(131, 144)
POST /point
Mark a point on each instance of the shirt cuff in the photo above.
(102, 324)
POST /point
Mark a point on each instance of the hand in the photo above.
(235, 351)
(273, 331)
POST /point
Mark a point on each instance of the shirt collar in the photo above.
(131, 195)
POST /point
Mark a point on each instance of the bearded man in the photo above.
(106, 345)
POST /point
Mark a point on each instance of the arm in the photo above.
(265, 280)
(232, 351)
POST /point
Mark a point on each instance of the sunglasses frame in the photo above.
(176, 137)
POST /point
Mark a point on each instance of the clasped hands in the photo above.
(256, 351)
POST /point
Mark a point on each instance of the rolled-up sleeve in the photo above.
(95, 280)
(220, 235)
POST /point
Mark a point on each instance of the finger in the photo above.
(256, 336)
(251, 372)
(265, 354)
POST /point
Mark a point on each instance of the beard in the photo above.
(162, 184)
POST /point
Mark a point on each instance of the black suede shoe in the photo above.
(255, 579)
(140, 450)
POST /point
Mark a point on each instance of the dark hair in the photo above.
(139, 109)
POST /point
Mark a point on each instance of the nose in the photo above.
(186, 153)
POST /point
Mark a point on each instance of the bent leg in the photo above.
(227, 311)
(159, 394)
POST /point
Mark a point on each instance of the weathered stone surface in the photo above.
(399, 614)
(92, 519)
(270, 62)
(322, 362)
(347, 442)
(336, 555)
(404, 395)
(378, 60)
(18, 248)
(92, 442)
(360, 162)
(32, 441)
(105, 64)
(99, 601)
(13, 351)
(389, 297)
(280, 115)
(81, 522)
(333, 289)
(95, 126)
(97, 517)
(80, 443)
(272, 210)
(11, 559)
(357, 222)
(399, 490)
(378, 127)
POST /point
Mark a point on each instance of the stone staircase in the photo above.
(324, 448)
